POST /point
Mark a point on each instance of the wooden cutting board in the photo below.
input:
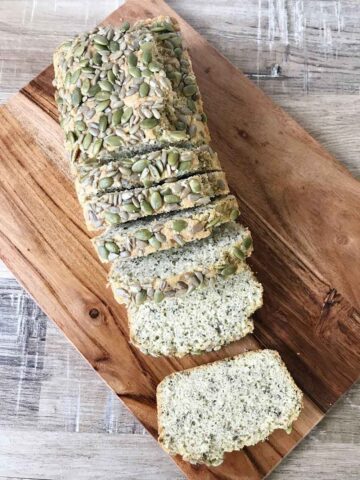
(301, 205)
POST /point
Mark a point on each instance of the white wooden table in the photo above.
(57, 419)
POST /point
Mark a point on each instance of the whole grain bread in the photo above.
(226, 405)
(203, 320)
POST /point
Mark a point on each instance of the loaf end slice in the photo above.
(203, 320)
(225, 406)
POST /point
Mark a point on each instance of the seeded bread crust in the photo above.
(144, 170)
(170, 230)
(180, 271)
(120, 207)
(127, 90)
(240, 411)
(201, 321)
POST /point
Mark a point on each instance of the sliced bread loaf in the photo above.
(170, 230)
(226, 405)
(204, 320)
(143, 170)
(179, 271)
(120, 207)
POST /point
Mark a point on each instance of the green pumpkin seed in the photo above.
(178, 52)
(116, 117)
(126, 115)
(100, 48)
(162, 27)
(146, 207)
(158, 296)
(195, 185)
(238, 253)
(184, 166)
(101, 96)
(143, 234)
(80, 125)
(75, 76)
(132, 59)
(125, 26)
(191, 105)
(113, 141)
(179, 225)
(101, 106)
(154, 242)
(144, 90)
(103, 123)
(76, 97)
(93, 90)
(228, 270)
(105, 182)
(172, 198)
(176, 41)
(71, 137)
(103, 252)
(146, 46)
(97, 146)
(79, 50)
(204, 117)
(139, 166)
(189, 90)
(67, 79)
(147, 57)
(111, 77)
(147, 183)
(247, 243)
(85, 87)
(135, 72)
(146, 73)
(189, 80)
(112, 247)
(106, 86)
(140, 297)
(156, 200)
(113, 46)
(148, 123)
(100, 39)
(173, 158)
(177, 136)
(130, 208)
(234, 214)
(175, 77)
(97, 59)
(87, 141)
(112, 218)
(154, 66)
(213, 222)
(88, 69)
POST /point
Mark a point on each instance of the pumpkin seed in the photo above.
(132, 59)
(88, 69)
(189, 90)
(140, 297)
(103, 252)
(158, 296)
(228, 270)
(176, 41)
(154, 66)
(103, 123)
(100, 39)
(139, 166)
(234, 214)
(146, 207)
(130, 208)
(162, 27)
(113, 46)
(85, 87)
(247, 243)
(238, 253)
(93, 90)
(126, 115)
(135, 72)
(112, 247)
(76, 97)
(177, 136)
(195, 185)
(113, 141)
(147, 57)
(87, 141)
(179, 225)
(100, 48)
(184, 166)
(173, 158)
(155, 200)
(80, 125)
(146, 73)
(75, 76)
(105, 182)
(97, 146)
(112, 218)
(116, 117)
(143, 234)
(101, 106)
(106, 86)
(154, 242)
(111, 77)
(101, 96)
(125, 26)
(148, 123)
(79, 50)
(178, 52)
(172, 199)
(144, 90)
(97, 59)
(191, 104)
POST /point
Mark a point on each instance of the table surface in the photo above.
(57, 419)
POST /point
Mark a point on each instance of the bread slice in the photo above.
(128, 90)
(120, 207)
(204, 320)
(143, 170)
(179, 271)
(170, 230)
(226, 405)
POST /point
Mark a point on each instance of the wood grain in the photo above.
(310, 275)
